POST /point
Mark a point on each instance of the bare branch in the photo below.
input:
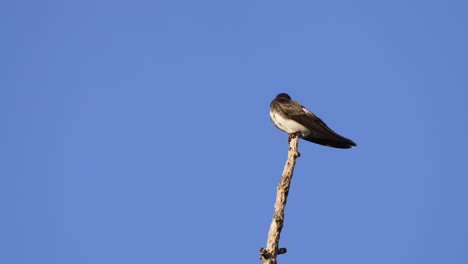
(268, 254)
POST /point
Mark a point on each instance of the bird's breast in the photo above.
(288, 125)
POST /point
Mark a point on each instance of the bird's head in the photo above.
(283, 96)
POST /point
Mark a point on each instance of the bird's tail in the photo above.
(335, 142)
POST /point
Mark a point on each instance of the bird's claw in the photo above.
(291, 135)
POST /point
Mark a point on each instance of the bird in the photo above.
(291, 117)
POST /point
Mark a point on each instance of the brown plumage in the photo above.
(291, 117)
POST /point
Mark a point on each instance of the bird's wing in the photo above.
(320, 132)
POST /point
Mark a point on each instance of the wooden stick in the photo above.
(268, 254)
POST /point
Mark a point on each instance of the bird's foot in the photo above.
(291, 135)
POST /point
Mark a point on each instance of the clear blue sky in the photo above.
(138, 131)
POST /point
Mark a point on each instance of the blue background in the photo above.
(138, 131)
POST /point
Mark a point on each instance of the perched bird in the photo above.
(291, 117)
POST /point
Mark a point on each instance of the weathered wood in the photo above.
(268, 255)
